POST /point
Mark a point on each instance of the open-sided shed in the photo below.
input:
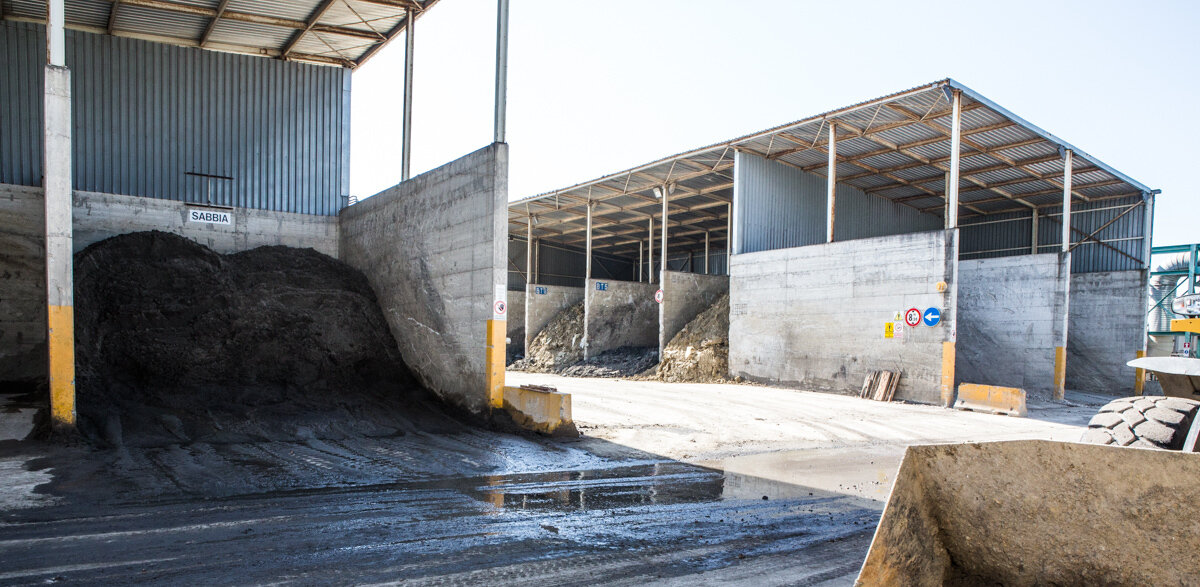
(837, 224)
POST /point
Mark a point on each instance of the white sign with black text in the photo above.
(208, 216)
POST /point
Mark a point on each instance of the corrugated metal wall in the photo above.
(1002, 235)
(148, 117)
(778, 206)
(558, 265)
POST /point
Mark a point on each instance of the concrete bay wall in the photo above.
(434, 249)
(22, 284)
(685, 296)
(814, 317)
(100, 216)
(619, 314)
(1011, 314)
(543, 303)
(1106, 329)
(516, 321)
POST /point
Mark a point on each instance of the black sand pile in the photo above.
(700, 352)
(179, 344)
(557, 346)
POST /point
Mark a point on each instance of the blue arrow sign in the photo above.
(932, 316)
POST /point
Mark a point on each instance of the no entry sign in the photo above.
(912, 317)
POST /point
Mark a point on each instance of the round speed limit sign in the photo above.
(658, 296)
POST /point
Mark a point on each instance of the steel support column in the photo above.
(56, 166)
(641, 260)
(955, 159)
(588, 253)
(406, 144)
(1033, 234)
(501, 68)
(528, 250)
(1068, 163)
(831, 194)
(650, 251)
(728, 237)
(706, 252)
(663, 243)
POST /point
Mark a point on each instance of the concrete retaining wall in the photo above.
(1010, 319)
(97, 217)
(814, 316)
(434, 249)
(543, 303)
(1106, 329)
(685, 295)
(22, 284)
(622, 313)
(516, 319)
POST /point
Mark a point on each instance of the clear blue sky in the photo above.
(593, 89)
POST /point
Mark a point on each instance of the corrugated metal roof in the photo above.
(895, 147)
(330, 32)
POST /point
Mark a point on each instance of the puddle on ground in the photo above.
(650, 484)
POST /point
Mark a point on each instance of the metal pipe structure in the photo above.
(501, 68)
(537, 259)
(1068, 164)
(955, 159)
(831, 196)
(406, 145)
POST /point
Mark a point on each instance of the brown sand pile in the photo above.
(557, 346)
(700, 352)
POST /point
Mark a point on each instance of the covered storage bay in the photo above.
(929, 232)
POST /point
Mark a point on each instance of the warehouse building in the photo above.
(929, 232)
(228, 122)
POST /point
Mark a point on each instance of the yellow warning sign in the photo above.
(889, 330)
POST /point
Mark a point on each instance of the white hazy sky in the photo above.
(594, 89)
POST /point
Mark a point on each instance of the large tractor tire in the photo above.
(1145, 422)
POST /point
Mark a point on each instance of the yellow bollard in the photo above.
(494, 362)
(1139, 378)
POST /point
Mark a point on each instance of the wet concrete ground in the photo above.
(661, 522)
(634, 502)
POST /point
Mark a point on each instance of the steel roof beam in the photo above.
(312, 21)
(181, 8)
(212, 24)
(976, 146)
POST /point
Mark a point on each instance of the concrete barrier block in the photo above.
(991, 398)
(540, 409)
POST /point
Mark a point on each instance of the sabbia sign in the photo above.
(209, 216)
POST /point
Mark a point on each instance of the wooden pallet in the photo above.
(880, 386)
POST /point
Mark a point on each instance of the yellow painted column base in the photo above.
(497, 331)
(1060, 372)
(1139, 378)
(948, 358)
(61, 338)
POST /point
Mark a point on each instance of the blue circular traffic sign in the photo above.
(932, 316)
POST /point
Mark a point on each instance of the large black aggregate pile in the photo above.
(179, 344)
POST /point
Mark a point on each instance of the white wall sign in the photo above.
(206, 216)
